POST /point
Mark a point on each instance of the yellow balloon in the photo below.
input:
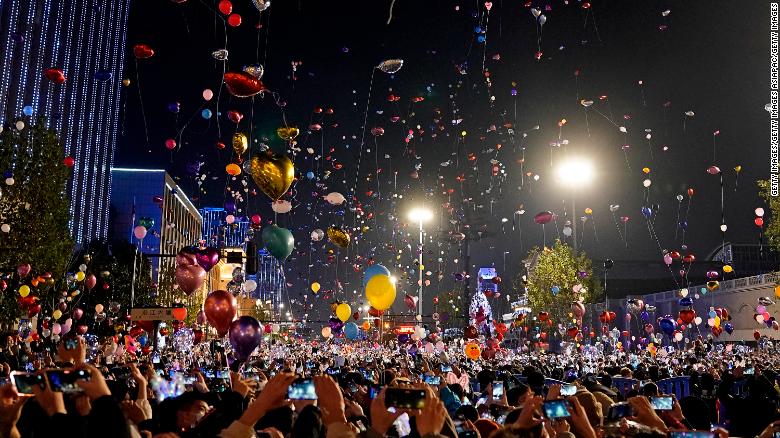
(588, 210)
(472, 351)
(287, 133)
(717, 321)
(338, 237)
(273, 173)
(57, 314)
(728, 269)
(777, 291)
(240, 143)
(24, 290)
(380, 292)
(343, 312)
(80, 276)
(315, 287)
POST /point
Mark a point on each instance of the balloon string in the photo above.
(363, 135)
(390, 16)
(141, 99)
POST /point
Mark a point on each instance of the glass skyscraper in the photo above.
(85, 39)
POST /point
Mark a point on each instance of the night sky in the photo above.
(709, 57)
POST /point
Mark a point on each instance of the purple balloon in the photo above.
(403, 338)
(245, 335)
(335, 325)
(207, 258)
(230, 206)
(645, 316)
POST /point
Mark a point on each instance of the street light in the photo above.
(420, 215)
(575, 173)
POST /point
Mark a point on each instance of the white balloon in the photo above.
(281, 206)
(567, 231)
(230, 219)
(250, 285)
(317, 235)
(760, 212)
(646, 183)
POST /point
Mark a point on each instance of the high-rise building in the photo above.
(151, 196)
(217, 232)
(85, 40)
(271, 284)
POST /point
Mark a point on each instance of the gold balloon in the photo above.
(287, 133)
(338, 237)
(240, 143)
(273, 174)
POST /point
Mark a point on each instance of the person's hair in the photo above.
(514, 394)
(591, 406)
(625, 372)
(468, 412)
(309, 423)
(650, 389)
(456, 389)
(486, 427)
(517, 432)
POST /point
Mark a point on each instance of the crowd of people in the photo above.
(336, 390)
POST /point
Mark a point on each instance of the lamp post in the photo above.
(575, 173)
(420, 215)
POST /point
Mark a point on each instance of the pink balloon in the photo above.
(77, 313)
(56, 328)
(139, 232)
(190, 278)
(91, 281)
(207, 94)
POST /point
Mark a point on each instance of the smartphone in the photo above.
(405, 398)
(663, 403)
(253, 375)
(190, 380)
(302, 389)
(498, 390)
(65, 380)
(70, 343)
(568, 389)
(433, 380)
(749, 371)
(462, 431)
(481, 400)
(695, 434)
(554, 409)
(333, 371)
(446, 368)
(352, 387)
(217, 379)
(25, 382)
(373, 391)
(620, 410)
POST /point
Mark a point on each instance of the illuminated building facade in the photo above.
(218, 233)
(85, 39)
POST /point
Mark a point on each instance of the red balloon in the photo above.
(235, 116)
(756, 335)
(544, 217)
(543, 316)
(675, 255)
(234, 20)
(713, 170)
(91, 281)
(225, 7)
(689, 258)
(55, 75)
(69, 161)
(220, 309)
(242, 84)
(197, 336)
(687, 315)
(690, 192)
(759, 221)
(572, 331)
(143, 51)
(180, 313)
(170, 144)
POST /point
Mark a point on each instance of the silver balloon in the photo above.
(255, 70)
(25, 328)
(183, 340)
(114, 307)
(238, 275)
(262, 5)
(220, 55)
(391, 65)
(317, 235)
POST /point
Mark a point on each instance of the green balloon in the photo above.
(278, 241)
(146, 222)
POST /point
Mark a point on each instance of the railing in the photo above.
(757, 280)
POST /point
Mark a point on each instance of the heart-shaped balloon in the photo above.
(143, 51)
(186, 257)
(23, 270)
(242, 84)
(338, 237)
(190, 277)
(240, 143)
(207, 258)
(235, 116)
(262, 5)
(287, 133)
(273, 173)
(55, 75)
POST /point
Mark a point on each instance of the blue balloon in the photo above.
(555, 290)
(646, 212)
(28, 110)
(728, 327)
(683, 225)
(310, 175)
(372, 270)
(645, 316)
(102, 75)
(143, 339)
(667, 325)
(351, 330)
(481, 39)
(174, 107)
(687, 301)
(206, 113)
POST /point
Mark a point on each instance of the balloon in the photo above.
(391, 65)
(142, 51)
(245, 336)
(667, 325)
(206, 114)
(335, 198)
(207, 94)
(278, 241)
(380, 292)
(80, 276)
(272, 173)
(326, 332)
(234, 20)
(24, 290)
(667, 259)
(544, 217)
(225, 7)
(339, 237)
(759, 212)
(240, 143)
(713, 170)
(287, 133)
(139, 232)
(351, 330)
(373, 270)
(91, 281)
(55, 75)
(343, 312)
(687, 315)
(207, 258)
(578, 309)
(242, 84)
(235, 116)
(220, 309)
(759, 221)
(318, 235)
(728, 269)
(255, 70)
(233, 169)
(647, 183)
(728, 328)
(281, 206)
(687, 301)
(220, 55)
(190, 277)
(472, 351)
